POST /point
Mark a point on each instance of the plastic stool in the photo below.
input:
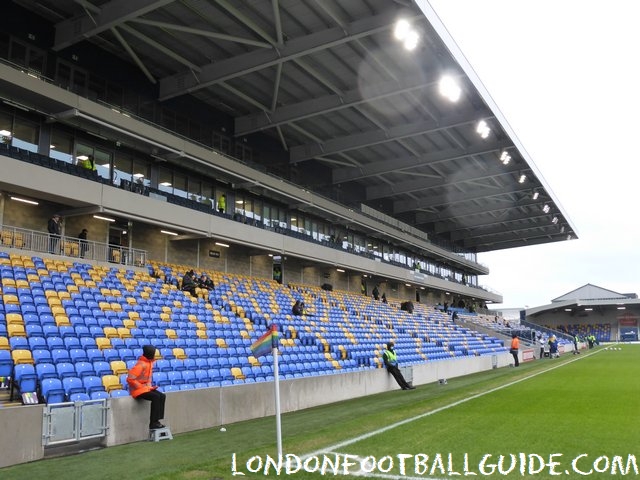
(157, 434)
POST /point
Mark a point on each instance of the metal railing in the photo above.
(24, 239)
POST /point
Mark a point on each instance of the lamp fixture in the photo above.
(546, 208)
(167, 232)
(106, 219)
(536, 195)
(220, 244)
(24, 200)
(505, 158)
(483, 129)
(339, 270)
(522, 178)
(404, 33)
(449, 88)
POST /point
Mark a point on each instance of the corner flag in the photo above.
(266, 342)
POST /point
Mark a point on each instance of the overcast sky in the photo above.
(566, 76)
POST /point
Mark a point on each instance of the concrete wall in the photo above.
(211, 407)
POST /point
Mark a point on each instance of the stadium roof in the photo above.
(362, 118)
(588, 298)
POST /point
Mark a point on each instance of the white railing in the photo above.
(21, 238)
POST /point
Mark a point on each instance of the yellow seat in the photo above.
(21, 356)
(202, 334)
(254, 361)
(14, 318)
(62, 320)
(111, 383)
(171, 333)
(111, 332)
(4, 343)
(237, 373)
(10, 298)
(16, 330)
(134, 315)
(124, 332)
(6, 236)
(103, 343)
(118, 367)
(179, 353)
(128, 323)
(221, 343)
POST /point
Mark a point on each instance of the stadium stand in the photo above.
(204, 341)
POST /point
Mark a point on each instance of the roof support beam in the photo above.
(202, 33)
(439, 200)
(386, 166)
(420, 184)
(329, 103)
(116, 12)
(214, 73)
(455, 213)
(375, 137)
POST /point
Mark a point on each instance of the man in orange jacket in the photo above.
(515, 346)
(139, 380)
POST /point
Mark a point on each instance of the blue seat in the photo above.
(41, 355)
(84, 369)
(94, 354)
(79, 397)
(118, 393)
(102, 367)
(189, 376)
(52, 390)
(72, 385)
(34, 330)
(160, 379)
(99, 395)
(46, 370)
(175, 377)
(25, 377)
(60, 355)
(78, 355)
(92, 383)
(65, 369)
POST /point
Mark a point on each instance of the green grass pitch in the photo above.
(573, 417)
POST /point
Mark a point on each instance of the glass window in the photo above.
(25, 135)
(36, 61)
(208, 194)
(18, 53)
(141, 172)
(6, 127)
(103, 163)
(165, 180)
(180, 185)
(61, 147)
(194, 189)
(63, 74)
(122, 168)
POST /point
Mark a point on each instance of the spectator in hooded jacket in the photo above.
(139, 380)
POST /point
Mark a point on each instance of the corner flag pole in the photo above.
(276, 386)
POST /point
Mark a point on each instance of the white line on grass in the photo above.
(373, 433)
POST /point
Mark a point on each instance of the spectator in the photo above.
(407, 306)
(376, 293)
(222, 203)
(515, 346)
(298, 308)
(205, 282)
(188, 283)
(139, 380)
(384, 297)
(54, 228)
(84, 246)
(391, 362)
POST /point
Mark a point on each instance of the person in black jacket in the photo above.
(55, 229)
(391, 362)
